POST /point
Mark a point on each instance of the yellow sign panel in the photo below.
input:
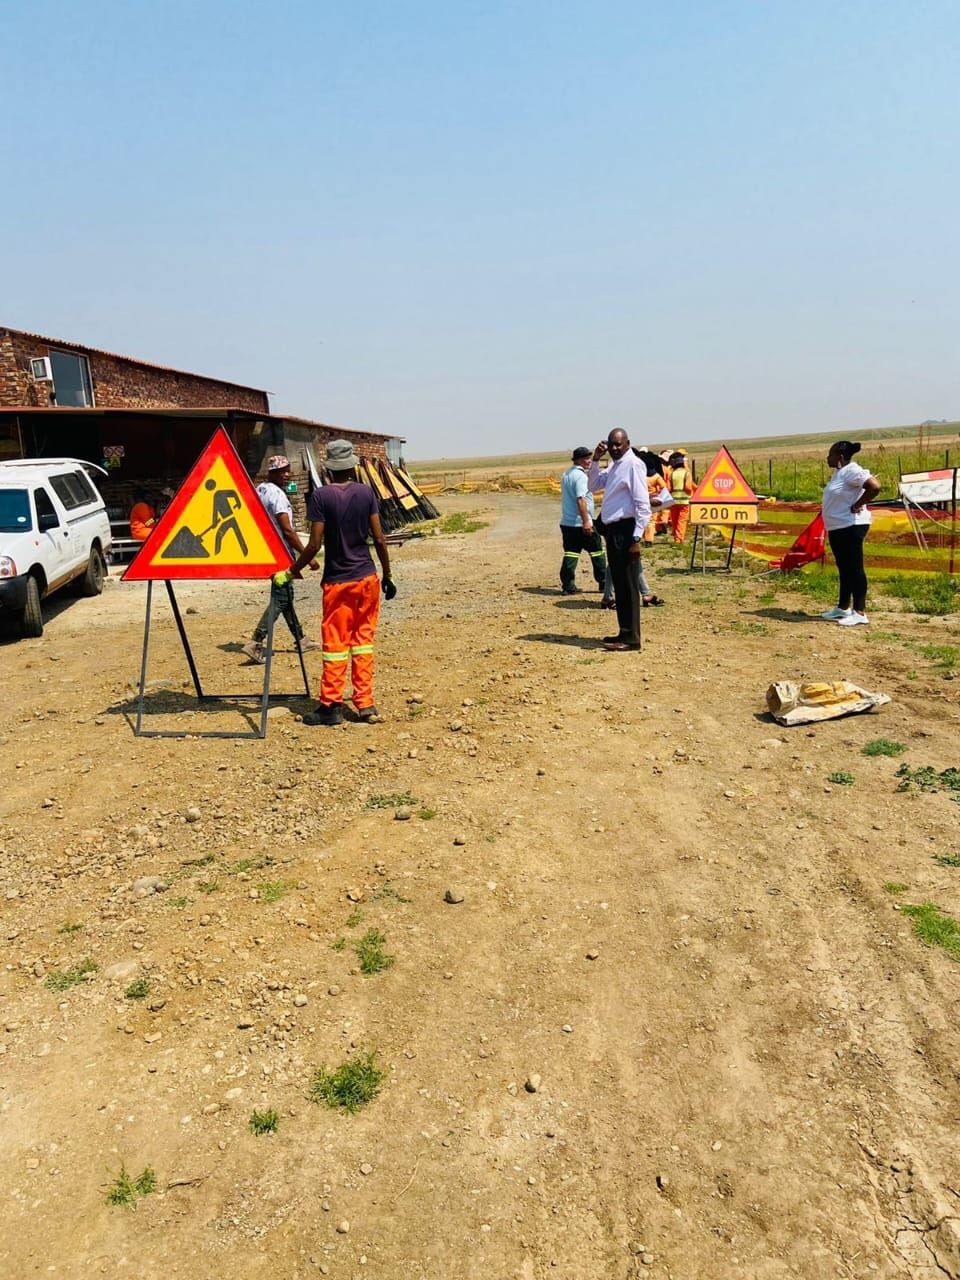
(724, 482)
(723, 513)
(215, 527)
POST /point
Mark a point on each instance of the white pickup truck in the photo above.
(54, 530)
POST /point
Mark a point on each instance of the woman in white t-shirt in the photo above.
(847, 519)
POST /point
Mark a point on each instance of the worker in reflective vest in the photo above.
(342, 516)
(681, 487)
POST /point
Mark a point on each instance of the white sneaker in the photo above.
(835, 614)
(853, 620)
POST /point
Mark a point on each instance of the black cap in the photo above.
(582, 452)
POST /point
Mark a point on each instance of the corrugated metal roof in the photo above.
(200, 411)
(114, 355)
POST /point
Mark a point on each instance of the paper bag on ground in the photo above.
(792, 703)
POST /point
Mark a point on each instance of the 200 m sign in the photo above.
(723, 513)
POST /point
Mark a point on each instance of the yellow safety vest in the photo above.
(677, 482)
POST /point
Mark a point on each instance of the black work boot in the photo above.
(325, 715)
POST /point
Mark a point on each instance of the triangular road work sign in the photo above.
(723, 482)
(215, 527)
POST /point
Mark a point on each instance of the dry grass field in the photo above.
(786, 466)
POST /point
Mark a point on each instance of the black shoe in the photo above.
(614, 639)
(367, 715)
(621, 646)
(608, 604)
(325, 715)
(572, 591)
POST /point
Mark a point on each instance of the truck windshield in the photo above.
(14, 511)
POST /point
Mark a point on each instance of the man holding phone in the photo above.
(625, 513)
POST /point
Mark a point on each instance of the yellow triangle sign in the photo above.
(215, 527)
(723, 482)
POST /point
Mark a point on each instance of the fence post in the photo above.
(770, 472)
(794, 477)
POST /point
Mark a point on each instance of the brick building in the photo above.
(85, 377)
(146, 422)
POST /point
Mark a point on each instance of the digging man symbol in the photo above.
(188, 545)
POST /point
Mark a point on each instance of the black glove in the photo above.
(389, 588)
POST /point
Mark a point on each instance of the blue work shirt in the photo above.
(573, 486)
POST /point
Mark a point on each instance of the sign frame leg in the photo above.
(201, 696)
(733, 538)
(303, 667)
(260, 731)
(693, 549)
(268, 660)
(138, 727)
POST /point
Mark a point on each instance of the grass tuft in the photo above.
(354, 918)
(391, 800)
(461, 522)
(353, 1084)
(427, 814)
(139, 989)
(387, 893)
(370, 952)
(934, 927)
(273, 890)
(932, 594)
(339, 944)
(243, 866)
(927, 779)
(947, 859)
(68, 978)
(841, 778)
(946, 656)
(894, 886)
(264, 1122)
(883, 747)
(70, 928)
(127, 1191)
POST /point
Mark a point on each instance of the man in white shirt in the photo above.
(625, 513)
(273, 494)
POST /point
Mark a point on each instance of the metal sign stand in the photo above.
(703, 548)
(208, 698)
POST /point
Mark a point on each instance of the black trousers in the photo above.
(847, 547)
(625, 571)
(575, 541)
(281, 601)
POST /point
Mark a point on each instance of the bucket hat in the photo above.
(340, 456)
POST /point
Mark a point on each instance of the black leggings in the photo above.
(847, 547)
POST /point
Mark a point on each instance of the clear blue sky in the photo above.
(499, 227)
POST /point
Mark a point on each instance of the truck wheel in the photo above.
(31, 624)
(91, 584)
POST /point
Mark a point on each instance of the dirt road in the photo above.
(673, 928)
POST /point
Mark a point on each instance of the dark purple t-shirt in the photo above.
(345, 510)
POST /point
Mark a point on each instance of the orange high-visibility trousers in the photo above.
(350, 611)
(679, 519)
